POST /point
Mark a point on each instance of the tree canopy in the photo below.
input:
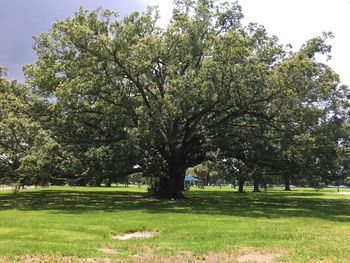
(124, 93)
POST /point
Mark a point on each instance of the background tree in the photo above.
(202, 172)
(21, 134)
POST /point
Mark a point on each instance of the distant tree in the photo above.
(302, 135)
(202, 172)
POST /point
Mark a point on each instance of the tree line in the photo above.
(109, 96)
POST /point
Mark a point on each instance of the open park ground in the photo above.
(78, 224)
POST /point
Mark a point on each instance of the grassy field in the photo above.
(75, 223)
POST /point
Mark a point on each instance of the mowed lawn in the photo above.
(303, 225)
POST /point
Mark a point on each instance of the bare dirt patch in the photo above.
(257, 256)
(184, 257)
(53, 259)
(136, 234)
(148, 255)
(213, 257)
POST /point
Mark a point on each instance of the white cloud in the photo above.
(165, 10)
(295, 21)
(298, 20)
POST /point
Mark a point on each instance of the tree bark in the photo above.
(176, 184)
(171, 186)
(182, 182)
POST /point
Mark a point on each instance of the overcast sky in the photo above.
(293, 21)
(21, 19)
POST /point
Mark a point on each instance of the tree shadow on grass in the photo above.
(255, 205)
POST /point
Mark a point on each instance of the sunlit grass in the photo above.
(76, 221)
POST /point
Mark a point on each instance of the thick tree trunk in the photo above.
(176, 184)
(171, 187)
(182, 182)
(240, 184)
(286, 183)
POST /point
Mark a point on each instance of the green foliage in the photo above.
(120, 92)
(21, 134)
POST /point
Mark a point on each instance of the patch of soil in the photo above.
(257, 256)
(185, 257)
(149, 256)
(52, 259)
(213, 257)
(136, 234)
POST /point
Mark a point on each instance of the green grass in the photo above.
(76, 221)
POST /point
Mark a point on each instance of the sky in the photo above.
(21, 19)
(292, 21)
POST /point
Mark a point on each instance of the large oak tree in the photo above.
(160, 96)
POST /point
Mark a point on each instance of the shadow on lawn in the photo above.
(272, 205)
